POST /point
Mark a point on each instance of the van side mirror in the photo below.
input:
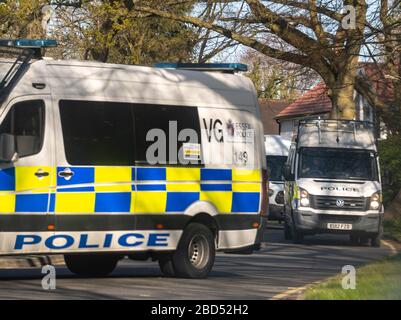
(7, 147)
(287, 172)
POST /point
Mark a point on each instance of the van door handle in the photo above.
(66, 174)
(40, 173)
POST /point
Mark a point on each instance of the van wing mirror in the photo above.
(287, 172)
(7, 147)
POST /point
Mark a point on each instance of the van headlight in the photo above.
(304, 198)
(271, 192)
(375, 201)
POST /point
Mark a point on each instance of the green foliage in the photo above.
(21, 19)
(392, 228)
(110, 31)
(390, 163)
(104, 30)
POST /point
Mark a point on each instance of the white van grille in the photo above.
(339, 203)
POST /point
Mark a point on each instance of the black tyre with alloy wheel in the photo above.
(91, 265)
(194, 257)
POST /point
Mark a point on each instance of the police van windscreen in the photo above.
(275, 167)
(336, 163)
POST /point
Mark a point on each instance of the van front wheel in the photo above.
(91, 265)
(375, 241)
(195, 254)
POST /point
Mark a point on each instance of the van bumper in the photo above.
(258, 240)
(310, 222)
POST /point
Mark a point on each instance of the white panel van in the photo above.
(333, 182)
(101, 161)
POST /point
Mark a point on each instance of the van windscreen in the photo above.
(335, 163)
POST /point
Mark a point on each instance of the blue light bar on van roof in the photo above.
(28, 43)
(230, 67)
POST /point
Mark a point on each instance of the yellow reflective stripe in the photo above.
(221, 199)
(113, 178)
(7, 203)
(183, 174)
(75, 202)
(133, 202)
(25, 179)
(195, 187)
(150, 201)
(246, 187)
(247, 175)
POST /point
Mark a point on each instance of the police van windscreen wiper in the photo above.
(24, 50)
(23, 57)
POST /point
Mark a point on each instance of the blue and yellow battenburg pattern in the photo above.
(129, 190)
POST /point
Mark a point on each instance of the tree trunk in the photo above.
(394, 209)
(342, 97)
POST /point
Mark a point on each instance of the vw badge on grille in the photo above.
(340, 203)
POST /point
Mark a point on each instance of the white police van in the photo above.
(276, 156)
(101, 161)
(333, 181)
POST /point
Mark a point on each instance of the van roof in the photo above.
(96, 80)
(336, 134)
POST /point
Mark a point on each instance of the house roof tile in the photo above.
(314, 101)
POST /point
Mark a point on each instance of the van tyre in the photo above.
(91, 265)
(194, 257)
(375, 241)
(287, 231)
(297, 236)
(166, 265)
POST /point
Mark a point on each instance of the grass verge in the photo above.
(380, 280)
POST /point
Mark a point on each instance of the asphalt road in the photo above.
(278, 266)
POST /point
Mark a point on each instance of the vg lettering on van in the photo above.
(91, 241)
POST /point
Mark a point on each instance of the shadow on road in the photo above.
(319, 239)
